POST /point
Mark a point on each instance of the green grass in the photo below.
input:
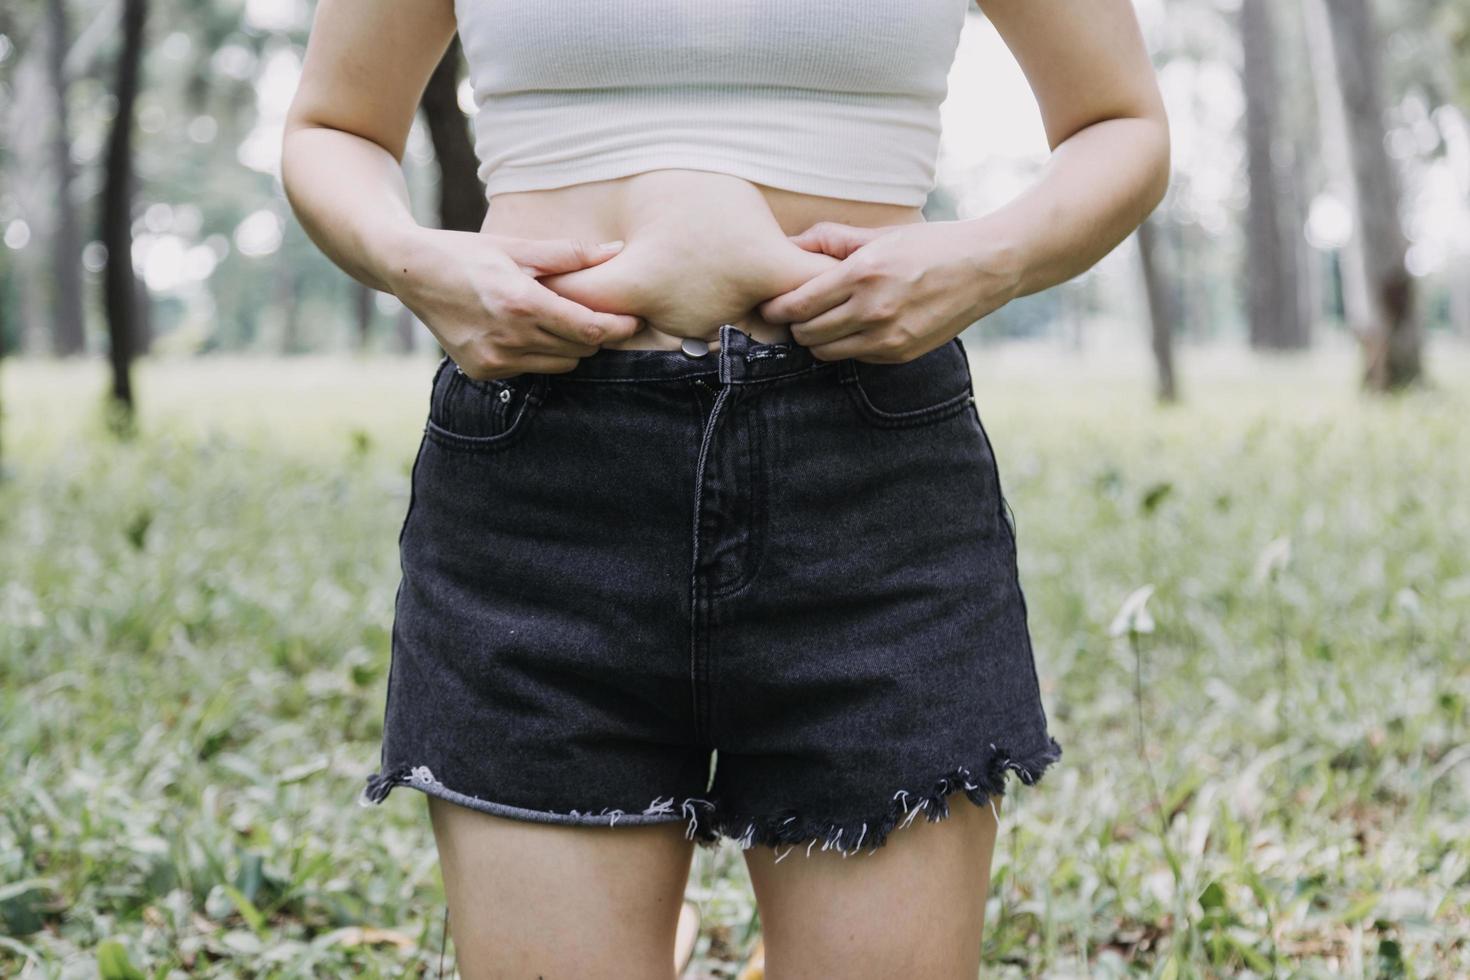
(194, 644)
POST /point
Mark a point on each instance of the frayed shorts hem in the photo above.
(708, 823)
(421, 778)
(980, 785)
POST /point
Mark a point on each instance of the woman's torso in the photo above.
(701, 248)
(703, 134)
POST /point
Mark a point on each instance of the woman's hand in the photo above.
(899, 291)
(478, 294)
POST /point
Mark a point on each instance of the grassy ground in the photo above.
(1267, 775)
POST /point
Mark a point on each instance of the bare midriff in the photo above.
(701, 248)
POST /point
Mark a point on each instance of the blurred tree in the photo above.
(6, 29)
(68, 336)
(4, 278)
(1391, 338)
(121, 283)
(364, 301)
(1316, 292)
(24, 109)
(462, 202)
(1273, 286)
(404, 325)
(1436, 62)
(1348, 279)
(287, 301)
(1163, 312)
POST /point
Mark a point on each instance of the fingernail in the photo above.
(611, 246)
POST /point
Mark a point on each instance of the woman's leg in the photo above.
(531, 899)
(914, 907)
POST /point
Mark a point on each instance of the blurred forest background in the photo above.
(1251, 603)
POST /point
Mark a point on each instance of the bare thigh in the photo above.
(532, 900)
(913, 908)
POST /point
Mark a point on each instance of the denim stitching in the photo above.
(898, 420)
(761, 515)
(709, 430)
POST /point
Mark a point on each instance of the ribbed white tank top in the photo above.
(831, 97)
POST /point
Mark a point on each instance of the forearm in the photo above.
(352, 200)
(1098, 186)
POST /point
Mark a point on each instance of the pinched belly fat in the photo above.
(701, 249)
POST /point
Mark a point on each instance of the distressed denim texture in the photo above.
(804, 567)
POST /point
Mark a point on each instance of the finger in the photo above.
(812, 298)
(575, 322)
(836, 323)
(861, 344)
(542, 256)
(836, 239)
(545, 363)
(543, 341)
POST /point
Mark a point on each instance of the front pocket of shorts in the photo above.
(930, 388)
(481, 416)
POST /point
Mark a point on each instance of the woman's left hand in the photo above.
(899, 291)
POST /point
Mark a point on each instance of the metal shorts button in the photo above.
(694, 347)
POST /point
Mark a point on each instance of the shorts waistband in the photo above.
(739, 359)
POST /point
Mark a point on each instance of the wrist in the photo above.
(997, 263)
(404, 250)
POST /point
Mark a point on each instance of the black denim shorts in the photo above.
(770, 596)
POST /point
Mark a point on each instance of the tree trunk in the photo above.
(1162, 310)
(1273, 285)
(1310, 262)
(1392, 340)
(68, 335)
(1350, 275)
(461, 195)
(287, 302)
(4, 277)
(5, 271)
(143, 325)
(1296, 292)
(406, 330)
(120, 282)
(1459, 302)
(25, 114)
(366, 301)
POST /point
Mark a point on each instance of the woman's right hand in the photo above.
(479, 296)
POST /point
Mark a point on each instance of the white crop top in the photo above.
(831, 97)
